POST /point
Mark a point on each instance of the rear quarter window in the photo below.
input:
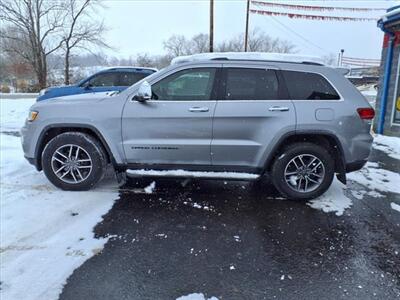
(309, 86)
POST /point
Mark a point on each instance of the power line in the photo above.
(308, 42)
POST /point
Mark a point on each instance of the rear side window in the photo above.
(129, 78)
(251, 84)
(309, 86)
(104, 79)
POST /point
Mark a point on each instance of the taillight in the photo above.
(367, 113)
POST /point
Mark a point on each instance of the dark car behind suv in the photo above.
(111, 79)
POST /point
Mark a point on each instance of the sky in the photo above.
(141, 26)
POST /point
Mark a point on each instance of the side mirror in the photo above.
(144, 92)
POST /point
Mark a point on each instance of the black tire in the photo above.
(90, 146)
(287, 188)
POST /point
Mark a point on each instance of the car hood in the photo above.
(61, 88)
(87, 97)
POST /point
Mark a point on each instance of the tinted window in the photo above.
(251, 84)
(191, 84)
(104, 79)
(129, 78)
(308, 86)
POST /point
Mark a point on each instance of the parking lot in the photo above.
(238, 240)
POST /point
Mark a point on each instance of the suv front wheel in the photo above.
(303, 171)
(74, 161)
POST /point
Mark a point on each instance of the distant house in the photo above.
(387, 120)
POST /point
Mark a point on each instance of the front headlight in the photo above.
(42, 92)
(32, 115)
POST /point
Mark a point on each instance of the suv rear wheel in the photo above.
(74, 161)
(303, 171)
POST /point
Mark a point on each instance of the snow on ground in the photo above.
(388, 144)
(150, 188)
(376, 178)
(196, 296)
(395, 206)
(334, 200)
(45, 233)
(13, 113)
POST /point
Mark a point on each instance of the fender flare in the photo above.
(39, 145)
(340, 163)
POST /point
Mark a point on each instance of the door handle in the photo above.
(278, 108)
(198, 109)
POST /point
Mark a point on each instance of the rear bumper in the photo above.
(355, 166)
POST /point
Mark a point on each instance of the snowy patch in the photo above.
(13, 113)
(388, 144)
(190, 174)
(293, 180)
(149, 189)
(162, 235)
(360, 194)
(375, 178)
(395, 206)
(45, 233)
(332, 200)
(196, 296)
(198, 206)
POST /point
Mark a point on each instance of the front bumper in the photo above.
(28, 140)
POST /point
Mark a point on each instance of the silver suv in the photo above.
(298, 121)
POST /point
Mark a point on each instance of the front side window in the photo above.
(129, 78)
(104, 79)
(251, 84)
(309, 86)
(191, 84)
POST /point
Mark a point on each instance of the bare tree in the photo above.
(199, 43)
(177, 45)
(30, 32)
(80, 31)
(257, 41)
(144, 60)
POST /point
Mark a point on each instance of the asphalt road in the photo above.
(240, 240)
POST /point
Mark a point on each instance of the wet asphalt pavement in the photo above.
(240, 240)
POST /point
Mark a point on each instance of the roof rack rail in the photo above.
(251, 56)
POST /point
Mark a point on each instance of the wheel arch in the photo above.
(322, 138)
(49, 132)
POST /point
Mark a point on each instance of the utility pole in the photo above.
(211, 25)
(246, 34)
